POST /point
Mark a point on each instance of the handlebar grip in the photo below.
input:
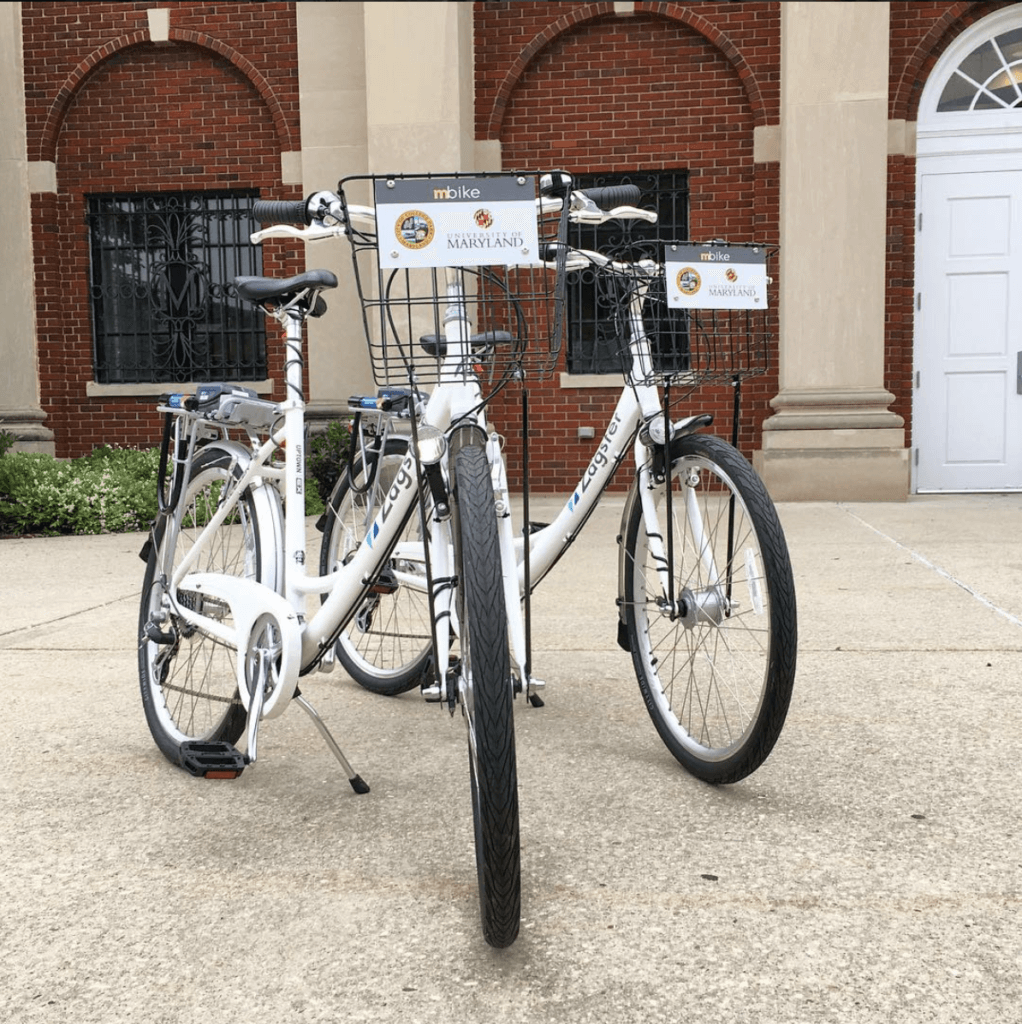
(281, 211)
(608, 197)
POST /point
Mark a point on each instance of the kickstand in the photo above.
(357, 783)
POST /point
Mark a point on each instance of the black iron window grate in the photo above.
(597, 338)
(163, 306)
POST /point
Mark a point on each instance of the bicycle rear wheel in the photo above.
(487, 698)
(716, 670)
(386, 647)
(188, 678)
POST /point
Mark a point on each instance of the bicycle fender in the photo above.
(269, 515)
(687, 426)
(622, 559)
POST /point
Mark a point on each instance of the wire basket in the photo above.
(453, 256)
(688, 345)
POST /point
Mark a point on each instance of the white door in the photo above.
(967, 409)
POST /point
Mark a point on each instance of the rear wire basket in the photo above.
(688, 347)
(516, 311)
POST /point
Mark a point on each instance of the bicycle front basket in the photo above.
(455, 264)
(705, 315)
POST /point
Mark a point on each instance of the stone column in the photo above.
(419, 87)
(331, 85)
(832, 435)
(385, 87)
(20, 411)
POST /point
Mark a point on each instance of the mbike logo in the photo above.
(457, 192)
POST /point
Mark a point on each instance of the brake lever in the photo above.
(595, 215)
(312, 233)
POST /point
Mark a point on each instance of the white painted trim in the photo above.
(42, 176)
(94, 390)
(582, 381)
(291, 168)
(962, 122)
(159, 24)
(766, 143)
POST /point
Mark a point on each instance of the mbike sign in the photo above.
(716, 276)
(456, 222)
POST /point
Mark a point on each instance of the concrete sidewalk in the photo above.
(870, 870)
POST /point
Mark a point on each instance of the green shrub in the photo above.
(7, 442)
(110, 491)
(113, 490)
(327, 455)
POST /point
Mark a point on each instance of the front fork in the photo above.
(444, 612)
(525, 682)
(655, 471)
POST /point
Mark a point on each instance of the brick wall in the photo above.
(566, 85)
(674, 85)
(573, 86)
(213, 108)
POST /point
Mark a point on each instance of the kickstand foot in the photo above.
(356, 780)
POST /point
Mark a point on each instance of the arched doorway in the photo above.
(967, 399)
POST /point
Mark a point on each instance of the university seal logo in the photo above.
(688, 281)
(414, 229)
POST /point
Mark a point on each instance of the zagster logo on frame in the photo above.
(456, 223)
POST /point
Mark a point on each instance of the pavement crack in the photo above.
(64, 618)
(939, 570)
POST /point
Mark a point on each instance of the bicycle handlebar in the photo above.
(323, 213)
(608, 197)
(281, 211)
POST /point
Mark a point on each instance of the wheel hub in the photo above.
(707, 606)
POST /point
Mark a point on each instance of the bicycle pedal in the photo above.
(385, 583)
(216, 760)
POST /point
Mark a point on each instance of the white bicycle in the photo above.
(419, 552)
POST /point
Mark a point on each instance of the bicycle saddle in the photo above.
(261, 289)
(436, 346)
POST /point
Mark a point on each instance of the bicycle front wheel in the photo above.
(387, 646)
(188, 678)
(715, 660)
(487, 698)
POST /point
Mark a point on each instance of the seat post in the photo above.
(293, 408)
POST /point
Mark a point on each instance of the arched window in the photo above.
(989, 78)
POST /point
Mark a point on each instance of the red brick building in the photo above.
(773, 127)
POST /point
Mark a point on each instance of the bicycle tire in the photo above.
(487, 698)
(190, 686)
(716, 681)
(386, 648)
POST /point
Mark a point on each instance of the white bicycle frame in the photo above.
(296, 641)
(637, 404)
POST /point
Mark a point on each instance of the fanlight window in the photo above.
(990, 78)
